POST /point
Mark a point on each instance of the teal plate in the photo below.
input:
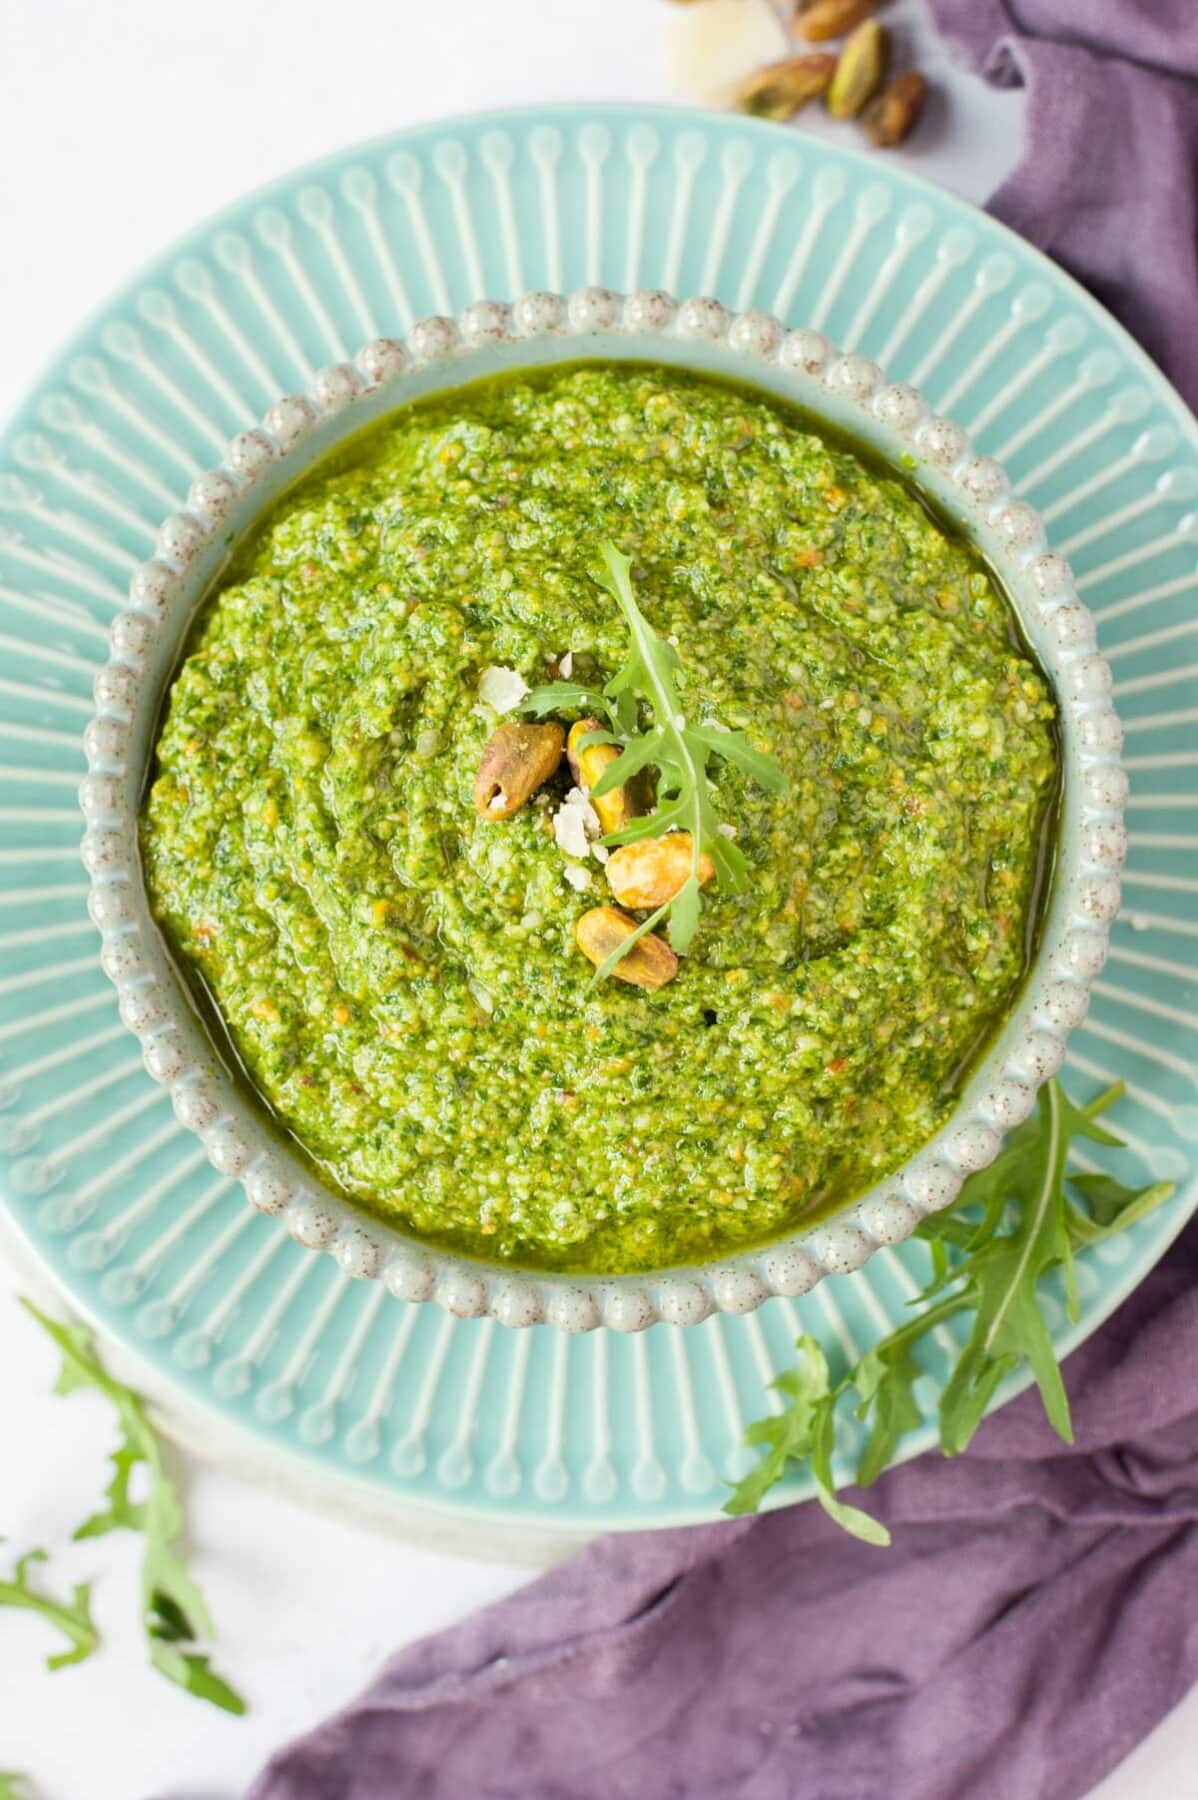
(117, 1201)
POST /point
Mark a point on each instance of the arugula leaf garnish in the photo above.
(173, 1609)
(1013, 1224)
(803, 1431)
(678, 751)
(71, 1617)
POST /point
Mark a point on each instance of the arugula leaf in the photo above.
(735, 747)
(1106, 1197)
(195, 1675)
(885, 1380)
(1113, 1207)
(803, 1430)
(1013, 1224)
(679, 752)
(1003, 1271)
(790, 1432)
(562, 696)
(173, 1608)
(850, 1518)
(72, 1617)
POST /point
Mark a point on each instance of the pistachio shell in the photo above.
(860, 71)
(892, 115)
(832, 18)
(647, 874)
(518, 759)
(586, 766)
(649, 964)
(781, 88)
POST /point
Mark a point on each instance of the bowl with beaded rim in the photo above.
(539, 329)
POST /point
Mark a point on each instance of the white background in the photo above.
(120, 125)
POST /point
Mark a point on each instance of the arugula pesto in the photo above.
(398, 976)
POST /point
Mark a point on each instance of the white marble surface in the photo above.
(118, 124)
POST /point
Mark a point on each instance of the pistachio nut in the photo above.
(649, 964)
(519, 758)
(860, 71)
(832, 18)
(586, 766)
(648, 873)
(892, 115)
(781, 88)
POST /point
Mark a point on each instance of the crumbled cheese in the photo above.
(728, 831)
(600, 852)
(565, 667)
(575, 823)
(577, 876)
(502, 688)
(825, 704)
(481, 995)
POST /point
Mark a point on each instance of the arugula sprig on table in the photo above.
(174, 1615)
(71, 1617)
(1015, 1222)
(678, 751)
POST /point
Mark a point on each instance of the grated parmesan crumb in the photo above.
(502, 688)
(565, 667)
(578, 877)
(574, 824)
(728, 831)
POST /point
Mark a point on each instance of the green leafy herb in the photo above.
(1015, 1222)
(14, 1786)
(803, 1431)
(173, 1610)
(678, 751)
(72, 1617)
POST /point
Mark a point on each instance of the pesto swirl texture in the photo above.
(398, 975)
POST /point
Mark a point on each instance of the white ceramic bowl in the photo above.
(593, 323)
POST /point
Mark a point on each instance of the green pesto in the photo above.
(399, 977)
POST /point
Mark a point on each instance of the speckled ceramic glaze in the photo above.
(852, 392)
(112, 512)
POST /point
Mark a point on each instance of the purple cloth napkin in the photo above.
(1038, 1611)
(1108, 184)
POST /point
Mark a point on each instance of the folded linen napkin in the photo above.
(1038, 1611)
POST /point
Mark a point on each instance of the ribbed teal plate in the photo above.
(113, 1196)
